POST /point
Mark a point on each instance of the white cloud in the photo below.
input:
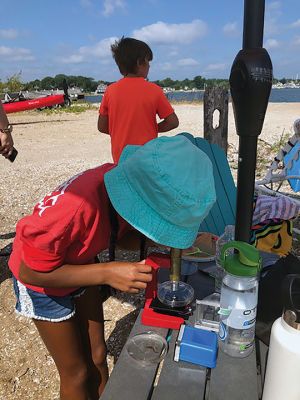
(73, 59)
(295, 24)
(100, 50)
(8, 33)
(216, 67)
(231, 29)
(163, 33)
(15, 54)
(272, 20)
(86, 3)
(173, 53)
(272, 44)
(271, 26)
(166, 66)
(187, 62)
(274, 5)
(296, 41)
(109, 6)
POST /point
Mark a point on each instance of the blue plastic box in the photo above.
(196, 346)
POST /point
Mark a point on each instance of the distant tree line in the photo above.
(15, 84)
(199, 82)
(56, 82)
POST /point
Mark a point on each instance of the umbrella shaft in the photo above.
(245, 183)
(254, 11)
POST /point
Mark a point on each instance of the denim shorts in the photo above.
(40, 306)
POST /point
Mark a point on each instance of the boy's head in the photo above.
(164, 189)
(130, 53)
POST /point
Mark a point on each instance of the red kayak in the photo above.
(40, 102)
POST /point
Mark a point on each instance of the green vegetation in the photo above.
(188, 84)
(48, 83)
(75, 108)
(13, 84)
(88, 85)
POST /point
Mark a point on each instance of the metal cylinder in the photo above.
(175, 271)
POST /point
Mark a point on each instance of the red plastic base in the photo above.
(149, 316)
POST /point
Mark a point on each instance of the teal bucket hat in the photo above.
(164, 189)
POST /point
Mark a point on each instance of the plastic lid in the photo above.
(246, 262)
(147, 347)
(175, 294)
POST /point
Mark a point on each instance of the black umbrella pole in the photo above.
(245, 183)
(254, 13)
(250, 86)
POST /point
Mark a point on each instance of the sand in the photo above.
(51, 149)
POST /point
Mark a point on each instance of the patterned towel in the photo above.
(273, 237)
(274, 208)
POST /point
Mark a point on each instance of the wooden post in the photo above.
(216, 98)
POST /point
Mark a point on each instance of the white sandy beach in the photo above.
(51, 149)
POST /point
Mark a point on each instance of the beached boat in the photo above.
(40, 102)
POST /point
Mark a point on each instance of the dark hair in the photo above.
(128, 52)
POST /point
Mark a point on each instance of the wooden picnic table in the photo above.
(232, 379)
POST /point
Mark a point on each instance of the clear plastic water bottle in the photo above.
(238, 300)
(226, 237)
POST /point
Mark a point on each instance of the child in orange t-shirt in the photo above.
(129, 106)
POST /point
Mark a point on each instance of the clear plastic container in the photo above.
(175, 294)
(218, 273)
(147, 347)
(237, 315)
(207, 313)
(238, 301)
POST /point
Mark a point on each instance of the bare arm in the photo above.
(6, 140)
(169, 123)
(103, 124)
(3, 117)
(125, 276)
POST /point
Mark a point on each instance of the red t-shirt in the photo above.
(131, 105)
(68, 226)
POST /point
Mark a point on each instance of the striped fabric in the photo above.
(274, 208)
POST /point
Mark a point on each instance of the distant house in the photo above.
(100, 88)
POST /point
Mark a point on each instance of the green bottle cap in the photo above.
(245, 262)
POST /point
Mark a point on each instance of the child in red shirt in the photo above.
(129, 106)
(53, 258)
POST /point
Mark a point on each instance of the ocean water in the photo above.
(277, 96)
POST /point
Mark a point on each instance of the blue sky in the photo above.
(188, 37)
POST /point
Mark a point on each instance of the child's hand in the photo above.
(128, 277)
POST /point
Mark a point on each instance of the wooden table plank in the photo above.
(234, 378)
(179, 380)
(262, 357)
(130, 379)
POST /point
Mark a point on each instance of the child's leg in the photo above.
(89, 313)
(63, 341)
